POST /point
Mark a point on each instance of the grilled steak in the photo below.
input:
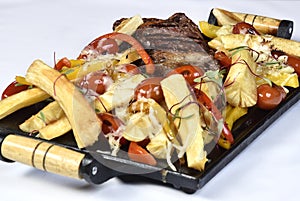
(175, 41)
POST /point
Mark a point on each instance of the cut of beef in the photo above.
(175, 41)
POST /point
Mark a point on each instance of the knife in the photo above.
(81, 164)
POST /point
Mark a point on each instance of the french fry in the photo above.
(85, 124)
(88, 67)
(48, 114)
(55, 129)
(21, 100)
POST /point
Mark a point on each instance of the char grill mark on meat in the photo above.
(175, 41)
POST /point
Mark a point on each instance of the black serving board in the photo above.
(245, 130)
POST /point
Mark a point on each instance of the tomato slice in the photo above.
(206, 102)
(139, 154)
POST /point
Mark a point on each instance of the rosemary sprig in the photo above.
(238, 49)
(42, 116)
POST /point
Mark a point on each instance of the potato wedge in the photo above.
(21, 100)
(177, 94)
(55, 129)
(47, 115)
(85, 124)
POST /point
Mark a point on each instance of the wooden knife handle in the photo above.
(42, 155)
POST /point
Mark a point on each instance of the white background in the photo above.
(30, 29)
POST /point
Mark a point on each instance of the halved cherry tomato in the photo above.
(110, 124)
(292, 61)
(97, 81)
(64, 62)
(149, 88)
(244, 28)
(189, 72)
(224, 60)
(150, 68)
(139, 154)
(130, 69)
(269, 97)
(13, 88)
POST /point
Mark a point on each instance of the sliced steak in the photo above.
(175, 41)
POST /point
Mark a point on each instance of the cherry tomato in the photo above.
(224, 60)
(139, 154)
(129, 68)
(110, 124)
(100, 47)
(13, 88)
(108, 46)
(292, 61)
(150, 88)
(64, 62)
(269, 97)
(276, 53)
(189, 72)
(97, 81)
(244, 28)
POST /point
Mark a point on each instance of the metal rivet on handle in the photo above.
(94, 170)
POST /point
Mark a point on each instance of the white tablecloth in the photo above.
(29, 29)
